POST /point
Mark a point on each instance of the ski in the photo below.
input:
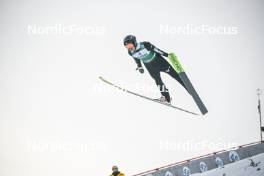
(174, 62)
(142, 96)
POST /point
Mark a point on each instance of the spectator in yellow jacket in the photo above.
(116, 172)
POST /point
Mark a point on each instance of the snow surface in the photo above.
(239, 168)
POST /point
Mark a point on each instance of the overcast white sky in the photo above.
(52, 122)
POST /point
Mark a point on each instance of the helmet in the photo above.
(114, 168)
(130, 39)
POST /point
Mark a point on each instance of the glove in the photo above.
(170, 55)
(140, 69)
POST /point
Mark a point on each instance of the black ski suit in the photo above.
(155, 63)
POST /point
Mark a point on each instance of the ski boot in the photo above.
(163, 100)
